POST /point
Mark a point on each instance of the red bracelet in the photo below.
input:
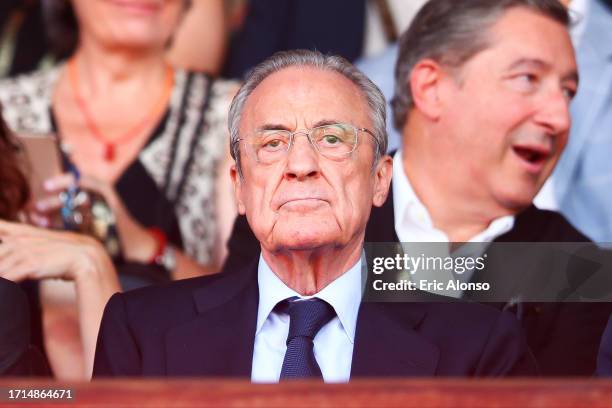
(161, 241)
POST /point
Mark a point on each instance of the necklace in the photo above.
(110, 146)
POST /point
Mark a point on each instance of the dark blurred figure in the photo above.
(23, 44)
(14, 311)
(14, 329)
(14, 191)
(17, 356)
(335, 27)
(604, 359)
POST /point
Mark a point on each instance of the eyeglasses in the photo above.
(334, 141)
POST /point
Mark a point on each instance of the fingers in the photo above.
(28, 252)
(4, 250)
(12, 263)
(56, 187)
(50, 204)
(5, 226)
(59, 183)
(8, 228)
(16, 232)
(36, 258)
(15, 272)
(39, 220)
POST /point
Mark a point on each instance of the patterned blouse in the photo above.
(171, 185)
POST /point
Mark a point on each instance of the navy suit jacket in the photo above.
(206, 327)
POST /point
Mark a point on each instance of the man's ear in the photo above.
(425, 81)
(237, 180)
(382, 180)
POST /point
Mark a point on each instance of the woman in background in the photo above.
(28, 252)
(147, 137)
(150, 138)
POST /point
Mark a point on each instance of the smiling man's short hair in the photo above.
(451, 32)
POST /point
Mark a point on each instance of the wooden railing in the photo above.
(422, 393)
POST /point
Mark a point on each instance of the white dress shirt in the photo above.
(333, 344)
(412, 220)
(413, 223)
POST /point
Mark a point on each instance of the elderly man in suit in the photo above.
(482, 94)
(308, 136)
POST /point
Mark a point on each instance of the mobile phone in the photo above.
(41, 160)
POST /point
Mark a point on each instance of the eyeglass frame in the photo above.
(308, 133)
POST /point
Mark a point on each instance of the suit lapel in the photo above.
(527, 227)
(219, 340)
(387, 344)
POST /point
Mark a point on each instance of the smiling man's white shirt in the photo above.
(413, 222)
(333, 344)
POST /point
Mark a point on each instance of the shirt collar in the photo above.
(343, 294)
(406, 204)
(404, 197)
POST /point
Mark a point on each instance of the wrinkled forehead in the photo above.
(300, 97)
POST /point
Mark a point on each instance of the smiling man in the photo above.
(484, 123)
(482, 96)
(308, 136)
